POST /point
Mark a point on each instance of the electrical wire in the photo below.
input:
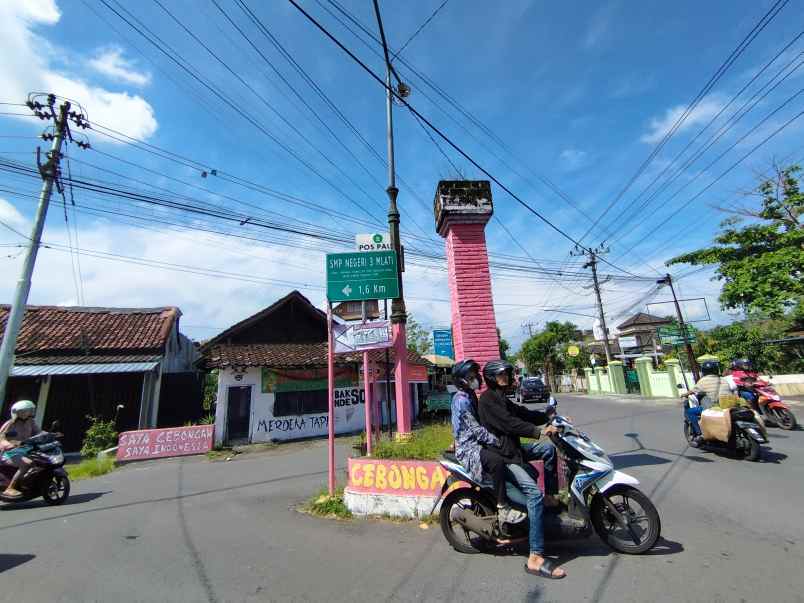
(419, 30)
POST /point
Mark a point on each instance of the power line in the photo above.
(441, 134)
(419, 30)
(735, 54)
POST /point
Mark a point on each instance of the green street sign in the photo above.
(362, 275)
(672, 335)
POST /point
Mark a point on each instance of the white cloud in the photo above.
(573, 159)
(111, 63)
(599, 27)
(10, 215)
(703, 112)
(27, 67)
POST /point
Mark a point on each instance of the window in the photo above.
(301, 403)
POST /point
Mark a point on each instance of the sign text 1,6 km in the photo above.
(358, 276)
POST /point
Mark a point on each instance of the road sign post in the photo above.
(360, 276)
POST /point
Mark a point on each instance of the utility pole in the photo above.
(592, 263)
(668, 280)
(50, 174)
(398, 311)
(529, 327)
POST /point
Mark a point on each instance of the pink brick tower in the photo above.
(462, 209)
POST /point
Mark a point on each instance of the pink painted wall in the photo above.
(473, 324)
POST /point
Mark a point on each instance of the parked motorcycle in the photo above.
(46, 478)
(601, 498)
(745, 438)
(769, 404)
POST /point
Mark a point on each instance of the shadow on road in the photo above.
(76, 499)
(8, 562)
(637, 459)
(769, 456)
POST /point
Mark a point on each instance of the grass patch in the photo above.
(426, 444)
(323, 505)
(90, 468)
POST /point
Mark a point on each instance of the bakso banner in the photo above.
(160, 443)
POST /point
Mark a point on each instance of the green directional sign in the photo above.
(362, 275)
(672, 335)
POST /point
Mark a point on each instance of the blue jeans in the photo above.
(693, 415)
(523, 488)
(528, 489)
(750, 398)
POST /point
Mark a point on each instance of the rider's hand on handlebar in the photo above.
(550, 430)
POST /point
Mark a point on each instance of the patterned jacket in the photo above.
(470, 436)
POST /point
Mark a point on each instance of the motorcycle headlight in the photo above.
(57, 458)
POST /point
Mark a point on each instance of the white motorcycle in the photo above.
(600, 497)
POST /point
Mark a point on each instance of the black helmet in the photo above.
(494, 368)
(461, 370)
(742, 364)
(710, 367)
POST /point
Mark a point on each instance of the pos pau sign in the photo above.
(159, 443)
(362, 275)
(377, 241)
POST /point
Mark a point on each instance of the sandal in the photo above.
(545, 571)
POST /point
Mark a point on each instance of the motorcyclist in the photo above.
(509, 422)
(708, 389)
(475, 447)
(19, 428)
(743, 373)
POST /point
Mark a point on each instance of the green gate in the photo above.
(631, 381)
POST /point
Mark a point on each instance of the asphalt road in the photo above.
(194, 530)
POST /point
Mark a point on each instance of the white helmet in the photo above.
(22, 406)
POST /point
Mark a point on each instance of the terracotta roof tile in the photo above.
(61, 330)
(287, 355)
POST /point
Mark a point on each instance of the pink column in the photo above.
(462, 210)
(403, 411)
(367, 393)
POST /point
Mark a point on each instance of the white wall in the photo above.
(264, 427)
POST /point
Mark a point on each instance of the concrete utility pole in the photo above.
(592, 263)
(668, 280)
(49, 173)
(398, 311)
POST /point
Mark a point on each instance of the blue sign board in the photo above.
(442, 343)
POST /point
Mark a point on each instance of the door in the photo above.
(238, 412)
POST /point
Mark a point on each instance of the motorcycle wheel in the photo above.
(748, 447)
(784, 418)
(461, 539)
(644, 525)
(56, 490)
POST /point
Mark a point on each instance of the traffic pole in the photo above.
(17, 311)
(331, 402)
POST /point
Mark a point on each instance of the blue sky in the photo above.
(578, 93)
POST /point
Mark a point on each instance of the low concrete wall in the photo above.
(787, 385)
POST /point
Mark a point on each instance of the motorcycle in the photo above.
(746, 436)
(600, 498)
(46, 477)
(769, 404)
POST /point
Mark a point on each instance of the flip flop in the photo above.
(545, 571)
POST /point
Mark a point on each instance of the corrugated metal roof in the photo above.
(82, 369)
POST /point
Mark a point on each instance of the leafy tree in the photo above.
(418, 338)
(210, 391)
(761, 264)
(505, 347)
(545, 350)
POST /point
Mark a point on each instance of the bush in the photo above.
(427, 443)
(100, 436)
(90, 468)
(324, 505)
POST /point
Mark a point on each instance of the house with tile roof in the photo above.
(272, 377)
(76, 361)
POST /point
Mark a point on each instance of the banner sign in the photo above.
(358, 337)
(160, 443)
(672, 335)
(304, 380)
(442, 343)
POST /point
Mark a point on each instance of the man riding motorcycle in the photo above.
(743, 373)
(713, 386)
(19, 428)
(509, 422)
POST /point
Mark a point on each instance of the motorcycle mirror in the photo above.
(552, 402)
(54, 426)
(679, 386)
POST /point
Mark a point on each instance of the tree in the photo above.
(418, 339)
(761, 264)
(505, 347)
(545, 349)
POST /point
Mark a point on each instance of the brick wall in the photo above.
(473, 323)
